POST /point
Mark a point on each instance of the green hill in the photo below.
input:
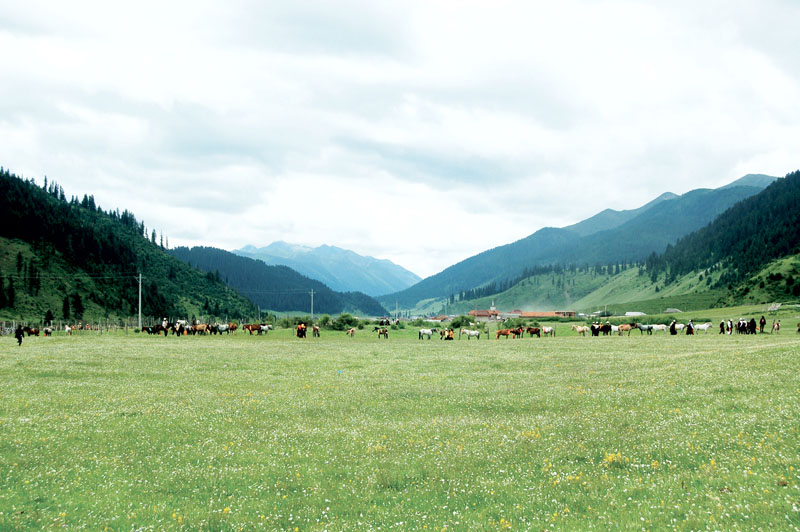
(70, 258)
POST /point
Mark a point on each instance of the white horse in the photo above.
(703, 327)
(659, 327)
(426, 332)
(469, 333)
(615, 329)
(679, 326)
(549, 331)
(266, 328)
(581, 329)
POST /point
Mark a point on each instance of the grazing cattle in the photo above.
(642, 328)
(534, 331)
(426, 332)
(469, 333)
(315, 331)
(383, 333)
(350, 332)
(580, 329)
(549, 331)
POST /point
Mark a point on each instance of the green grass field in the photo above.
(242, 433)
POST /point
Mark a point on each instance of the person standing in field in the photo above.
(762, 323)
(722, 327)
(18, 334)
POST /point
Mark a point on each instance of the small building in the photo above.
(484, 315)
(549, 314)
(438, 319)
(634, 314)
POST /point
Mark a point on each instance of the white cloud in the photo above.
(422, 132)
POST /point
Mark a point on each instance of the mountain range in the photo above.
(278, 288)
(341, 269)
(609, 236)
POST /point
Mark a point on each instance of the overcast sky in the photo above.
(418, 131)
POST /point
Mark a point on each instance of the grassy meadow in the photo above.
(130, 432)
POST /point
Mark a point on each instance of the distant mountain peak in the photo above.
(341, 269)
(752, 180)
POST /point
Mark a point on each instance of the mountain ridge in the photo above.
(341, 269)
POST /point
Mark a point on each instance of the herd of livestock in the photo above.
(183, 328)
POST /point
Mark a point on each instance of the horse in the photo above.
(642, 328)
(595, 328)
(580, 329)
(534, 331)
(469, 334)
(315, 331)
(704, 327)
(679, 326)
(252, 328)
(605, 328)
(384, 333)
(659, 327)
(426, 332)
(502, 332)
(625, 327)
(350, 332)
(776, 327)
(549, 331)
(200, 328)
(48, 331)
(232, 327)
(31, 331)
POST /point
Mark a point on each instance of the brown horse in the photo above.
(252, 328)
(232, 327)
(383, 332)
(625, 327)
(315, 331)
(350, 332)
(30, 331)
(534, 330)
(502, 332)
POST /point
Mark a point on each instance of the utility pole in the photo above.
(140, 301)
(312, 305)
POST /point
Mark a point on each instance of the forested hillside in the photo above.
(652, 228)
(742, 240)
(276, 288)
(73, 260)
